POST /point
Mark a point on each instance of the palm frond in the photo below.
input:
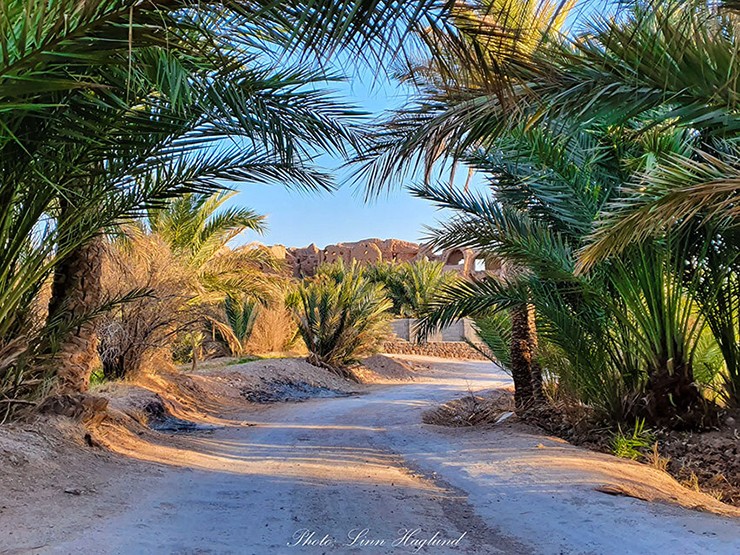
(679, 191)
(469, 299)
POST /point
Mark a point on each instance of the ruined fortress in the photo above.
(303, 261)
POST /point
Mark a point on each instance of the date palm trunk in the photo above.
(535, 370)
(521, 358)
(525, 370)
(673, 399)
(76, 292)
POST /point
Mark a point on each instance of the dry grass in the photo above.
(132, 333)
(692, 482)
(654, 459)
(711, 487)
(274, 331)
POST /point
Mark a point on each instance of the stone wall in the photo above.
(446, 349)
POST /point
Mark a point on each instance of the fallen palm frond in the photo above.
(472, 410)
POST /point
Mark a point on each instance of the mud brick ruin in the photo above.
(303, 261)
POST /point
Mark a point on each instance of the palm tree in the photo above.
(140, 157)
(170, 168)
(644, 67)
(664, 73)
(241, 316)
(198, 229)
(625, 132)
(107, 107)
(682, 58)
(191, 232)
(480, 57)
(410, 285)
(421, 280)
(629, 330)
(486, 60)
(341, 316)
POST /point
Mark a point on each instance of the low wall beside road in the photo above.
(447, 349)
(463, 330)
(450, 342)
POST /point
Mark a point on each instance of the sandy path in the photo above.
(338, 466)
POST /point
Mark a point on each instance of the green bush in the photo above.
(341, 315)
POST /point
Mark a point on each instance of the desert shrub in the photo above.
(197, 297)
(341, 315)
(191, 345)
(131, 332)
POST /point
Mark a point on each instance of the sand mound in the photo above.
(49, 461)
(384, 369)
(611, 475)
(220, 389)
(282, 379)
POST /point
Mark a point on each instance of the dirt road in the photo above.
(361, 474)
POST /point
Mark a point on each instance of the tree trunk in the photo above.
(525, 370)
(76, 292)
(535, 370)
(195, 355)
(113, 367)
(521, 358)
(673, 398)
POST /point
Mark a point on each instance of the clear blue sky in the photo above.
(298, 219)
